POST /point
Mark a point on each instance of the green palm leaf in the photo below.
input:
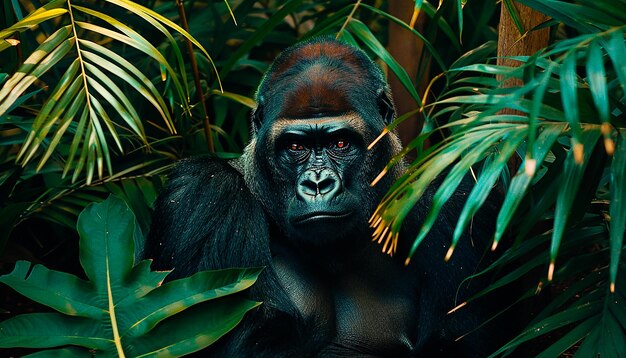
(572, 96)
(87, 107)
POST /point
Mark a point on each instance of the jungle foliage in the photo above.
(122, 309)
(102, 96)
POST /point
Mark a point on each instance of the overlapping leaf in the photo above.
(569, 136)
(122, 308)
(90, 103)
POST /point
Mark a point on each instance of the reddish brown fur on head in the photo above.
(321, 77)
(316, 50)
(317, 93)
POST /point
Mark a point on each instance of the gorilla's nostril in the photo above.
(309, 187)
(326, 186)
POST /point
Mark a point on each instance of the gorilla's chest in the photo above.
(366, 309)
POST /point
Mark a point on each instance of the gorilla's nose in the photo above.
(318, 184)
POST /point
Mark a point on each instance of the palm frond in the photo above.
(567, 138)
(547, 122)
(90, 100)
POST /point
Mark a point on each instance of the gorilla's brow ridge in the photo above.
(351, 120)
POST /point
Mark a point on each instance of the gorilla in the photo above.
(298, 202)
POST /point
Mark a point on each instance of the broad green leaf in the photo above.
(101, 228)
(43, 330)
(122, 307)
(73, 352)
(175, 296)
(64, 292)
(187, 332)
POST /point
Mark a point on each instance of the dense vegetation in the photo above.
(102, 96)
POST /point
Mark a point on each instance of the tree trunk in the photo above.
(406, 48)
(509, 42)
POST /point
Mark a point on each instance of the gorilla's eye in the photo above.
(296, 147)
(340, 144)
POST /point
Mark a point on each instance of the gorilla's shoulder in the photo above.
(206, 170)
(206, 202)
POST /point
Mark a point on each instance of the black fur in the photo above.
(327, 289)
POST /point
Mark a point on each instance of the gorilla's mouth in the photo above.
(320, 216)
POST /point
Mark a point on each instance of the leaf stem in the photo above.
(348, 19)
(79, 54)
(116, 333)
(83, 74)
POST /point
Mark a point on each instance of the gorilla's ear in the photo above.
(257, 118)
(385, 107)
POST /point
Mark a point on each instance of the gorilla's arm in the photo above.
(207, 218)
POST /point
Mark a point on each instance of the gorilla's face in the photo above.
(316, 175)
(322, 156)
